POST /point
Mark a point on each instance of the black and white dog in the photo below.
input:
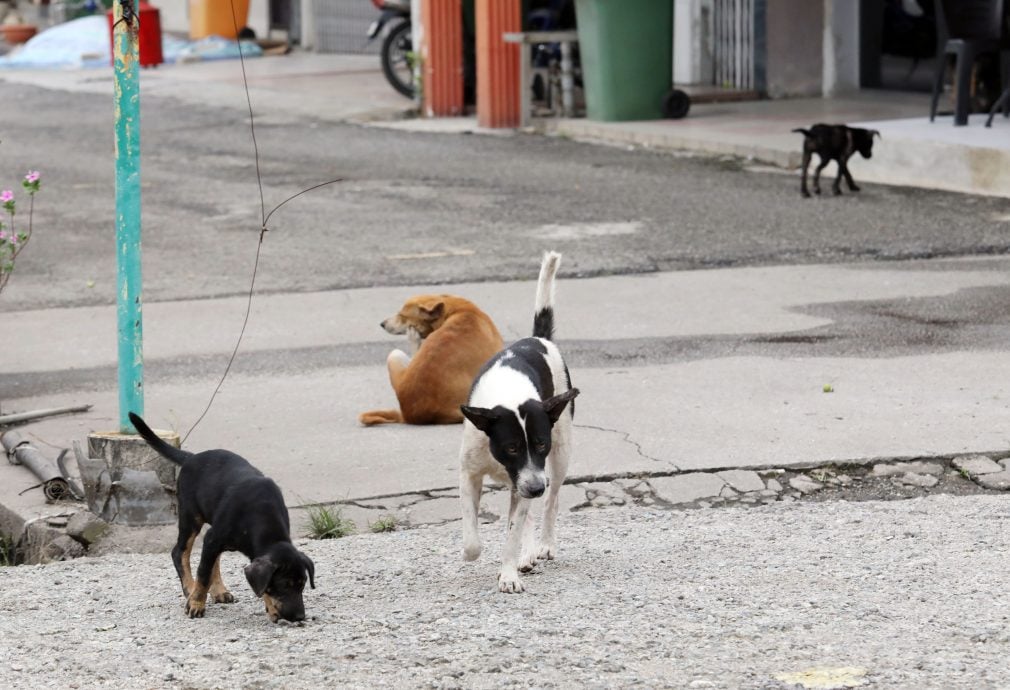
(518, 431)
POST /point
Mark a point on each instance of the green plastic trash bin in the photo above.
(626, 48)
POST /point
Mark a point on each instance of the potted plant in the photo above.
(13, 26)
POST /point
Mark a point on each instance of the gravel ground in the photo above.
(904, 594)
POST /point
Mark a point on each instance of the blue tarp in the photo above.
(85, 42)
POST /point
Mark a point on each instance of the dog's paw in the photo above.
(471, 552)
(224, 597)
(805, 194)
(854, 188)
(817, 191)
(547, 552)
(195, 607)
(510, 583)
(527, 562)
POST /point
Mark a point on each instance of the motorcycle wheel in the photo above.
(398, 59)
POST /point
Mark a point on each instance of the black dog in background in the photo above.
(834, 142)
(246, 513)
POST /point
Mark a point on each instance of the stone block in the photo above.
(774, 485)
(687, 488)
(914, 479)
(130, 451)
(994, 480)
(86, 527)
(901, 468)
(976, 465)
(742, 480)
(62, 548)
(804, 484)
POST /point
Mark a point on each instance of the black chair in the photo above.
(968, 28)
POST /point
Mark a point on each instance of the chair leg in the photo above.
(941, 67)
(965, 60)
(1002, 102)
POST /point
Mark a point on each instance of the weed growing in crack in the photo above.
(385, 523)
(327, 523)
(7, 551)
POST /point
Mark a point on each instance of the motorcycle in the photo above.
(397, 47)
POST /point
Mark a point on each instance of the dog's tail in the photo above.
(172, 453)
(804, 132)
(380, 417)
(543, 311)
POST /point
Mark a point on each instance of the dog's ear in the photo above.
(875, 133)
(481, 417)
(258, 573)
(310, 567)
(556, 405)
(435, 313)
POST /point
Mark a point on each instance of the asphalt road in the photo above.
(483, 205)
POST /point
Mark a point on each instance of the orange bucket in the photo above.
(214, 18)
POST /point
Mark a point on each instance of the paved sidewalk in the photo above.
(912, 151)
(311, 363)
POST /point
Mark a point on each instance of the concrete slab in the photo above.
(300, 425)
(323, 86)
(709, 302)
(912, 151)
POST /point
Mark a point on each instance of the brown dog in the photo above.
(452, 339)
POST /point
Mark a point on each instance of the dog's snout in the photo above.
(382, 324)
(532, 487)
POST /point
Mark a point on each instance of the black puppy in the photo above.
(246, 512)
(834, 142)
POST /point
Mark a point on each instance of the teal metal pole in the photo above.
(128, 286)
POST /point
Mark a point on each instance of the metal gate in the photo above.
(341, 26)
(733, 33)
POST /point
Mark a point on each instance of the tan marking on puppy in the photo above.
(196, 604)
(218, 589)
(457, 338)
(187, 571)
(273, 608)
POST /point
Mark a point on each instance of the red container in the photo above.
(149, 38)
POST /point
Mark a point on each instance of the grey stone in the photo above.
(86, 527)
(634, 487)
(572, 497)
(1005, 463)
(913, 479)
(62, 548)
(774, 485)
(900, 468)
(432, 511)
(602, 494)
(742, 480)
(687, 488)
(804, 484)
(843, 479)
(727, 492)
(976, 465)
(995, 480)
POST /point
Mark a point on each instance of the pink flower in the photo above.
(6, 195)
(32, 176)
(3, 235)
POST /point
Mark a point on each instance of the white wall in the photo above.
(692, 42)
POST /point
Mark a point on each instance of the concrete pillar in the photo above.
(693, 42)
(841, 47)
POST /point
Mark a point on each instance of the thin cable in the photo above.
(264, 216)
(263, 229)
